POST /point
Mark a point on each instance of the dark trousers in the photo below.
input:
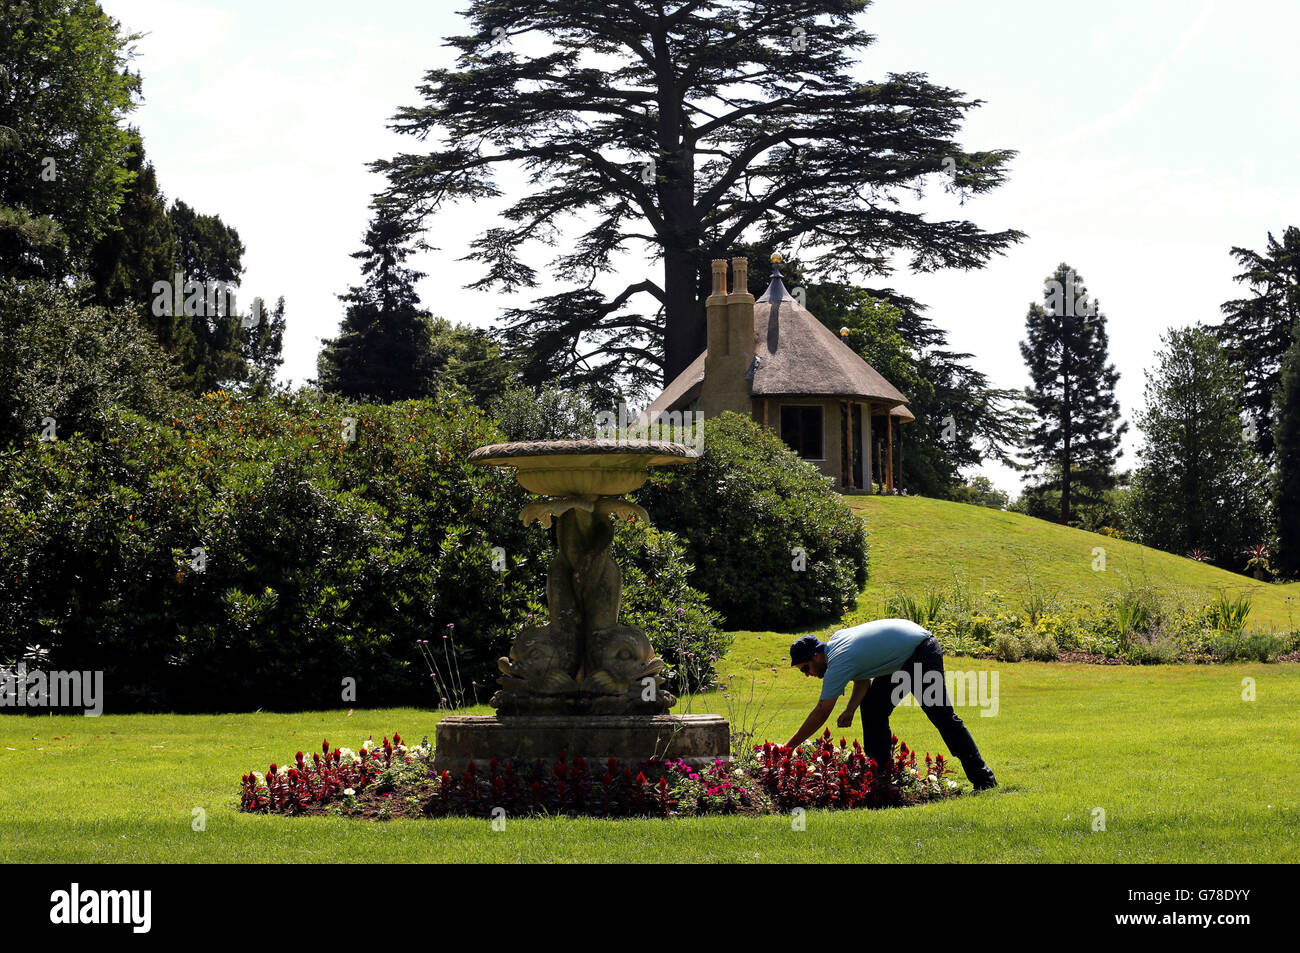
(881, 697)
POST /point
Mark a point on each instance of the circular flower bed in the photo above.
(390, 779)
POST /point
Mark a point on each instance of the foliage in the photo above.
(64, 90)
(1286, 487)
(769, 780)
(255, 553)
(1197, 485)
(72, 364)
(1258, 330)
(613, 116)
(467, 358)
(1141, 625)
(1075, 438)
(980, 491)
(1107, 512)
(659, 597)
(383, 348)
(1229, 613)
(756, 519)
(550, 413)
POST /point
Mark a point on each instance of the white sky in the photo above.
(1153, 136)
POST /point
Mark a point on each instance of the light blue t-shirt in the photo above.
(867, 651)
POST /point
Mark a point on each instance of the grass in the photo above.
(919, 543)
(1210, 779)
(1184, 768)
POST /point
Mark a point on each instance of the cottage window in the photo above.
(801, 429)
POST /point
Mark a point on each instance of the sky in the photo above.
(1153, 136)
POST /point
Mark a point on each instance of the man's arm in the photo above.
(860, 687)
(816, 718)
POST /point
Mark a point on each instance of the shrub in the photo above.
(757, 519)
(658, 597)
(922, 610)
(1235, 646)
(1228, 613)
(1040, 647)
(1008, 647)
(249, 554)
(1153, 650)
(71, 362)
(549, 414)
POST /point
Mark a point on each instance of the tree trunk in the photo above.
(684, 336)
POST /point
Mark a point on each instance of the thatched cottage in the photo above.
(774, 360)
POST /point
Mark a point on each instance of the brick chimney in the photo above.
(730, 326)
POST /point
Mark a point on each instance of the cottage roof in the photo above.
(800, 356)
(797, 356)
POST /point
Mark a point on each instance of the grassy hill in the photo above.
(918, 544)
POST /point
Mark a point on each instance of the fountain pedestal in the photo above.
(698, 740)
(583, 683)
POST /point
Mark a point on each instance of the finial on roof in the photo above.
(844, 332)
(776, 289)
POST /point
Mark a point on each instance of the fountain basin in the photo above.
(582, 467)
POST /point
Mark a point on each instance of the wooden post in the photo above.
(900, 452)
(868, 474)
(765, 424)
(889, 453)
(848, 408)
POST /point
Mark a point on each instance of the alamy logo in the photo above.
(20, 688)
(958, 688)
(100, 907)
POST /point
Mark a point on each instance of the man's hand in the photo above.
(846, 718)
(816, 718)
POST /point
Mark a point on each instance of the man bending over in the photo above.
(882, 659)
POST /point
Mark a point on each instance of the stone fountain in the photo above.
(582, 683)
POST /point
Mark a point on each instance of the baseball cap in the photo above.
(804, 648)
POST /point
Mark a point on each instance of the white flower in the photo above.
(952, 785)
(348, 756)
(932, 779)
(914, 772)
(349, 792)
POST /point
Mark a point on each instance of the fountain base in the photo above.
(699, 740)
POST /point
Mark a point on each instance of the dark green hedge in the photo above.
(324, 558)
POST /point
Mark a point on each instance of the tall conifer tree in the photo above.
(1074, 441)
(382, 351)
(1256, 330)
(1286, 435)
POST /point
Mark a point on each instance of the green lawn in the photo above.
(918, 543)
(1183, 767)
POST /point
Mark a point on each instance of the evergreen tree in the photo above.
(1256, 330)
(210, 261)
(682, 130)
(466, 357)
(138, 250)
(1286, 434)
(64, 89)
(263, 344)
(382, 351)
(1198, 485)
(1075, 435)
